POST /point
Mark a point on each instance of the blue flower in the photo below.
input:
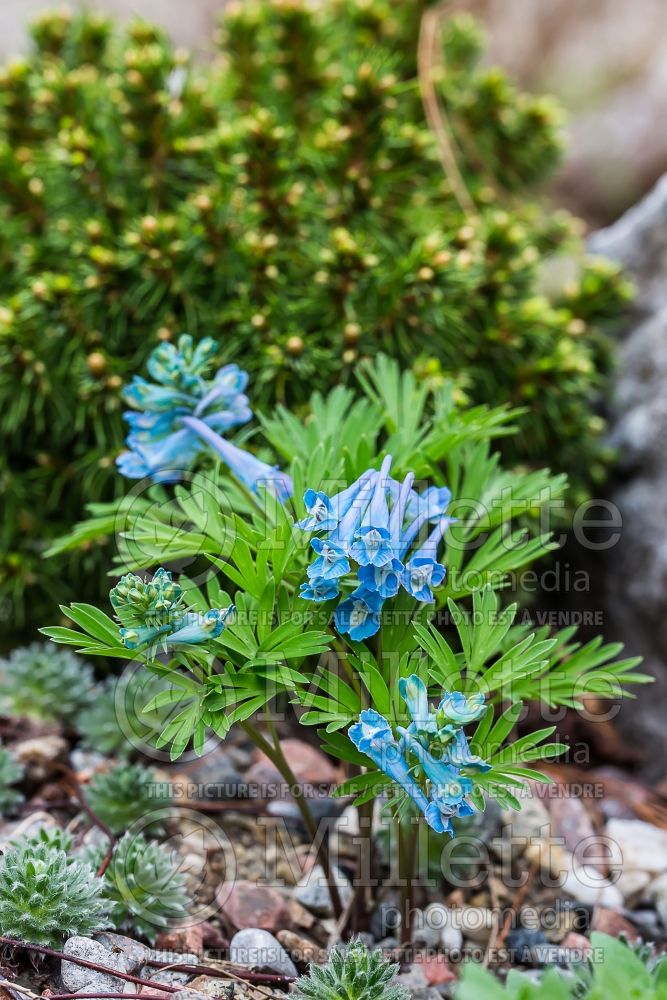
(439, 814)
(196, 627)
(245, 466)
(372, 546)
(183, 411)
(415, 695)
(372, 735)
(460, 754)
(332, 561)
(420, 575)
(455, 707)
(320, 514)
(359, 614)
(432, 503)
(386, 580)
(372, 526)
(318, 589)
(134, 637)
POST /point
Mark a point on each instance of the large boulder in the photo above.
(635, 574)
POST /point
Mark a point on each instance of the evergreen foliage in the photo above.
(291, 201)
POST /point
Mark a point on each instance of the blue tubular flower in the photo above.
(324, 513)
(460, 754)
(423, 572)
(359, 497)
(432, 503)
(197, 627)
(455, 707)
(245, 466)
(160, 444)
(331, 563)
(415, 695)
(386, 580)
(319, 512)
(373, 524)
(317, 589)
(372, 735)
(359, 614)
(373, 541)
(142, 635)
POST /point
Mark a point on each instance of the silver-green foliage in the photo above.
(144, 886)
(11, 772)
(46, 896)
(124, 795)
(41, 682)
(352, 973)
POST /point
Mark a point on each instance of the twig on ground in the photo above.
(73, 779)
(52, 953)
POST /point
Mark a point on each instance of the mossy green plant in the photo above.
(11, 773)
(353, 972)
(125, 795)
(46, 896)
(144, 885)
(290, 200)
(46, 684)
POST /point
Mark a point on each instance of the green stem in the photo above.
(275, 754)
(406, 870)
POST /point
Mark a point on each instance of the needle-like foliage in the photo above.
(290, 200)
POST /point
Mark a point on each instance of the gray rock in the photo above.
(79, 979)
(260, 950)
(135, 953)
(657, 891)
(313, 893)
(635, 569)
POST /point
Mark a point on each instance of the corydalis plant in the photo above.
(353, 972)
(46, 896)
(258, 554)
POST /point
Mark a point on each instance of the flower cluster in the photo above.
(160, 444)
(181, 413)
(152, 610)
(429, 760)
(374, 523)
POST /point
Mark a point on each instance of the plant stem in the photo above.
(275, 754)
(406, 870)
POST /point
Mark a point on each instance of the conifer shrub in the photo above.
(290, 200)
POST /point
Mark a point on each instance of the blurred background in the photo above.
(605, 60)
